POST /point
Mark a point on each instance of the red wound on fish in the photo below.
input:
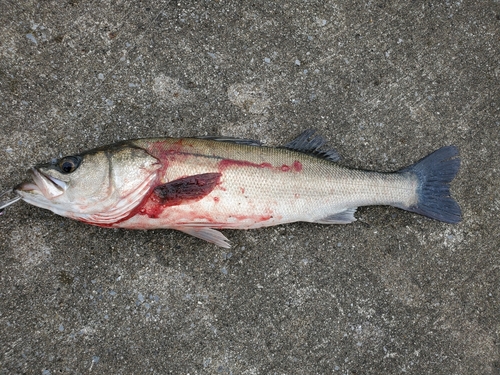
(297, 166)
(186, 188)
(285, 168)
(226, 163)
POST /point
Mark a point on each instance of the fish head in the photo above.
(100, 186)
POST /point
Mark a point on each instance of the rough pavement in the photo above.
(386, 82)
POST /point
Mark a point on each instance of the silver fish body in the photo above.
(199, 185)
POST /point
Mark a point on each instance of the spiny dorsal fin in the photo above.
(239, 141)
(311, 144)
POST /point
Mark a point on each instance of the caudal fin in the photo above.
(435, 172)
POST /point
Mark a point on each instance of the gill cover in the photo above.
(99, 187)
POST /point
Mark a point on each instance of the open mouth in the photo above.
(49, 186)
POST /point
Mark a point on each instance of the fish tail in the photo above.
(435, 173)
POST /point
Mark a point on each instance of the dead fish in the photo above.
(199, 185)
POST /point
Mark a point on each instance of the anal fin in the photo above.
(206, 234)
(342, 217)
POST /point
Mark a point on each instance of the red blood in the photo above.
(216, 199)
(255, 218)
(285, 168)
(167, 152)
(96, 224)
(297, 166)
(226, 163)
(152, 209)
(242, 189)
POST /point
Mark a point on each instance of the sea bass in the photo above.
(199, 185)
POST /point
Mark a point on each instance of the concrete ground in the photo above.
(386, 82)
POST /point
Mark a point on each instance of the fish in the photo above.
(200, 185)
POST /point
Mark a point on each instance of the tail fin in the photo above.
(435, 172)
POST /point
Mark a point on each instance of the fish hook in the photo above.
(7, 203)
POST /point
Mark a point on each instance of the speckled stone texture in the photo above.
(386, 82)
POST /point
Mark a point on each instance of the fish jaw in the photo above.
(42, 190)
(49, 186)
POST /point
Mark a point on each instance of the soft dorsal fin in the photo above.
(311, 144)
(239, 141)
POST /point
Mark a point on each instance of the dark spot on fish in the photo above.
(186, 188)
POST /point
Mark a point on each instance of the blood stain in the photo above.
(285, 168)
(226, 163)
(297, 166)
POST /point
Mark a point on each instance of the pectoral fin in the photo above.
(207, 234)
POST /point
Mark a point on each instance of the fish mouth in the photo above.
(50, 187)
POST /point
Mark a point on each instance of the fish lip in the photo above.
(50, 187)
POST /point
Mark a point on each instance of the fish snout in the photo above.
(50, 187)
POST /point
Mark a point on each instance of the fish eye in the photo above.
(69, 164)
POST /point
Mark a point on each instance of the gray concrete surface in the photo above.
(387, 82)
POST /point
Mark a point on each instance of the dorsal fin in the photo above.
(311, 144)
(239, 141)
